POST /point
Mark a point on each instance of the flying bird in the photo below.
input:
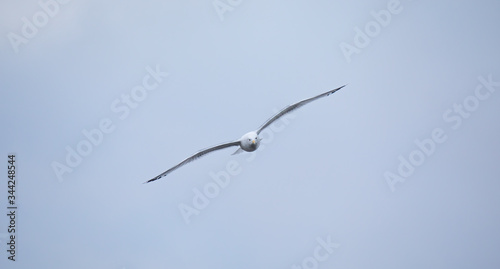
(249, 141)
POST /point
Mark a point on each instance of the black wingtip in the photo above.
(151, 180)
(339, 88)
(335, 90)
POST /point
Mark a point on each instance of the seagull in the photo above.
(248, 142)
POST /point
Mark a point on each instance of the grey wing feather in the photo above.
(194, 157)
(290, 108)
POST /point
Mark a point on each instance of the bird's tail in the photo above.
(238, 151)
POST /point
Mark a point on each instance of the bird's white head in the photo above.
(250, 141)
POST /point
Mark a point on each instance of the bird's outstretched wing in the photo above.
(194, 157)
(293, 107)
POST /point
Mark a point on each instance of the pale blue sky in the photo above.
(320, 175)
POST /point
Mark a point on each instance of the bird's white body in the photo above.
(250, 141)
